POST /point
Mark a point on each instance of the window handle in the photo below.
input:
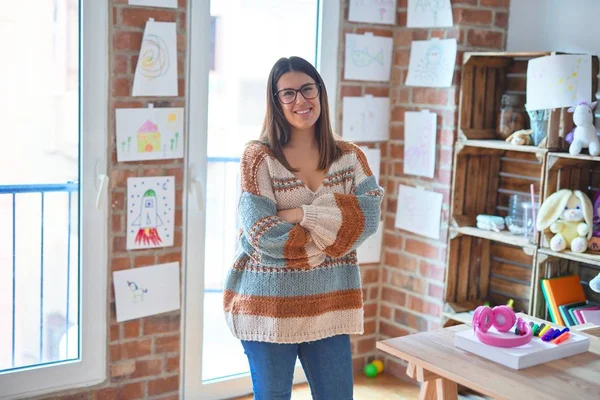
(102, 188)
(196, 182)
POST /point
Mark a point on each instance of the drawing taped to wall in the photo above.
(368, 57)
(431, 63)
(373, 11)
(150, 212)
(419, 143)
(429, 14)
(154, 3)
(366, 119)
(419, 211)
(156, 69)
(149, 133)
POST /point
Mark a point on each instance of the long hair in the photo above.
(276, 130)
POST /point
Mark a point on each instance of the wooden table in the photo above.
(434, 361)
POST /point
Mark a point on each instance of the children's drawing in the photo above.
(156, 70)
(419, 211)
(149, 133)
(144, 291)
(154, 3)
(429, 13)
(558, 81)
(366, 119)
(368, 57)
(419, 143)
(431, 63)
(373, 11)
(137, 292)
(150, 212)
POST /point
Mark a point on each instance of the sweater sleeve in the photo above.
(338, 223)
(277, 242)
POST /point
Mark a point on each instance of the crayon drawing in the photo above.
(373, 11)
(432, 63)
(366, 119)
(429, 13)
(419, 211)
(368, 57)
(419, 143)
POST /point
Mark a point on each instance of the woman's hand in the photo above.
(292, 216)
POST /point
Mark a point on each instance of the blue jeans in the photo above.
(327, 364)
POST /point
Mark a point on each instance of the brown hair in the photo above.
(276, 131)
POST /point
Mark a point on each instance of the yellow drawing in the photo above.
(172, 117)
(148, 138)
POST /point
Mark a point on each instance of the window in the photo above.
(54, 100)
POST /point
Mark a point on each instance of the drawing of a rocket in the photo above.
(148, 220)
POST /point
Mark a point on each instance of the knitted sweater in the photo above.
(293, 283)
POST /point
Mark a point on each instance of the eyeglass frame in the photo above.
(317, 85)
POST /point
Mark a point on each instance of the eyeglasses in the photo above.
(309, 91)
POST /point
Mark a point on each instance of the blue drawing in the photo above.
(136, 292)
(362, 57)
(431, 66)
(432, 6)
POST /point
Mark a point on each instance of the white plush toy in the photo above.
(585, 131)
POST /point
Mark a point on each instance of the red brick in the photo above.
(501, 20)
(401, 18)
(126, 104)
(370, 310)
(370, 327)
(131, 329)
(118, 179)
(132, 391)
(423, 306)
(116, 224)
(472, 2)
(437, 33)
(144, 260)
(393, 296)
(173, 364)
(469, 16)
(107, 394)
(351, 91)
(385, 312)
(391, 330)
(366, 345)
(495, 3)
(144, 368)
(137, 17)
(487, 39)
(119, 244)
(435, 291)
(446, 137)
(370, 275)
(114, 333)
(181, 43)
(127, 40)
(376, 31)
(167, 344)
(445, 157)
(377, 91)
(420, 248)
(412, 321)
(391, 240)
(121, 369)
(401, 57)
(174, 256)
(161, 324)
(120, 263)
(120, 64)
(121, 87)
(373, 293)
(396, 368)
(177, 172)
(408, 283)
(432, 96)
(403, 38)
(431, 271)
(163, 385)
(133, 349)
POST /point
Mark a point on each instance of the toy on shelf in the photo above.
(568, 214)
(521, 137)
(584, 135)
(490, 222)
(373, 368)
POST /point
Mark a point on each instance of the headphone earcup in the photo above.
(484, 315)
(504, 318)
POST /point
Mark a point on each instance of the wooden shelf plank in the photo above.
(463, 317)
(587, 258)
(502, 236)
(582, 157)
(501, 145)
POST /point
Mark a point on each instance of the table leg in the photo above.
(428, 391)
(446, 389)
(432, 386)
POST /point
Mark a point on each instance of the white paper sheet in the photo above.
(558, 81)
(149, 133)
(368, 57)
(429, 13)
(419, 211)
(370, 251)
(431, 63)
(156, 70)
(151, 290)
(419, 143)
(150, 212)
(366, 119)
(373, 159)
(373, 11)
(154, 3)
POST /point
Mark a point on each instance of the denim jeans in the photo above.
(327, 364)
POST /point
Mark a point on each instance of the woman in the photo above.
(308, 201)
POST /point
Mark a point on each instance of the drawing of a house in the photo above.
(148, 138)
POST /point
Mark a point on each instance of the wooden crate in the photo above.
(487, 270)
(485, 77)
(552, 265)
(485, 178)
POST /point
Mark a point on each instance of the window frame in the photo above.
(90, 369)
(198, 68)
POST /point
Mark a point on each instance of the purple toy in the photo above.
(596, 214)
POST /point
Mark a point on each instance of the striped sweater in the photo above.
(293, 283)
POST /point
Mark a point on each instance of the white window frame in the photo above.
(91, 368)
(198, 67)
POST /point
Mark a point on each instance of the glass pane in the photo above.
(240, 65)
(39, 175)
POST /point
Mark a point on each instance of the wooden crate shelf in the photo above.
(498, 266)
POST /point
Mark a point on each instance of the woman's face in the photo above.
(302, 113)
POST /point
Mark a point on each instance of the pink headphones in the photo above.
(502, 318)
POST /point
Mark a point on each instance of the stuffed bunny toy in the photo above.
(584, 134)
(522, 137)
(568, 214)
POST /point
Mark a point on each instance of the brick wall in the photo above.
(404, 294)
(143, 354)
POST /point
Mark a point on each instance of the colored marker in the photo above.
(548, 334)
(544, 331)
(561, 338)
(556, 335)
(540, 328)
(534, 329)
